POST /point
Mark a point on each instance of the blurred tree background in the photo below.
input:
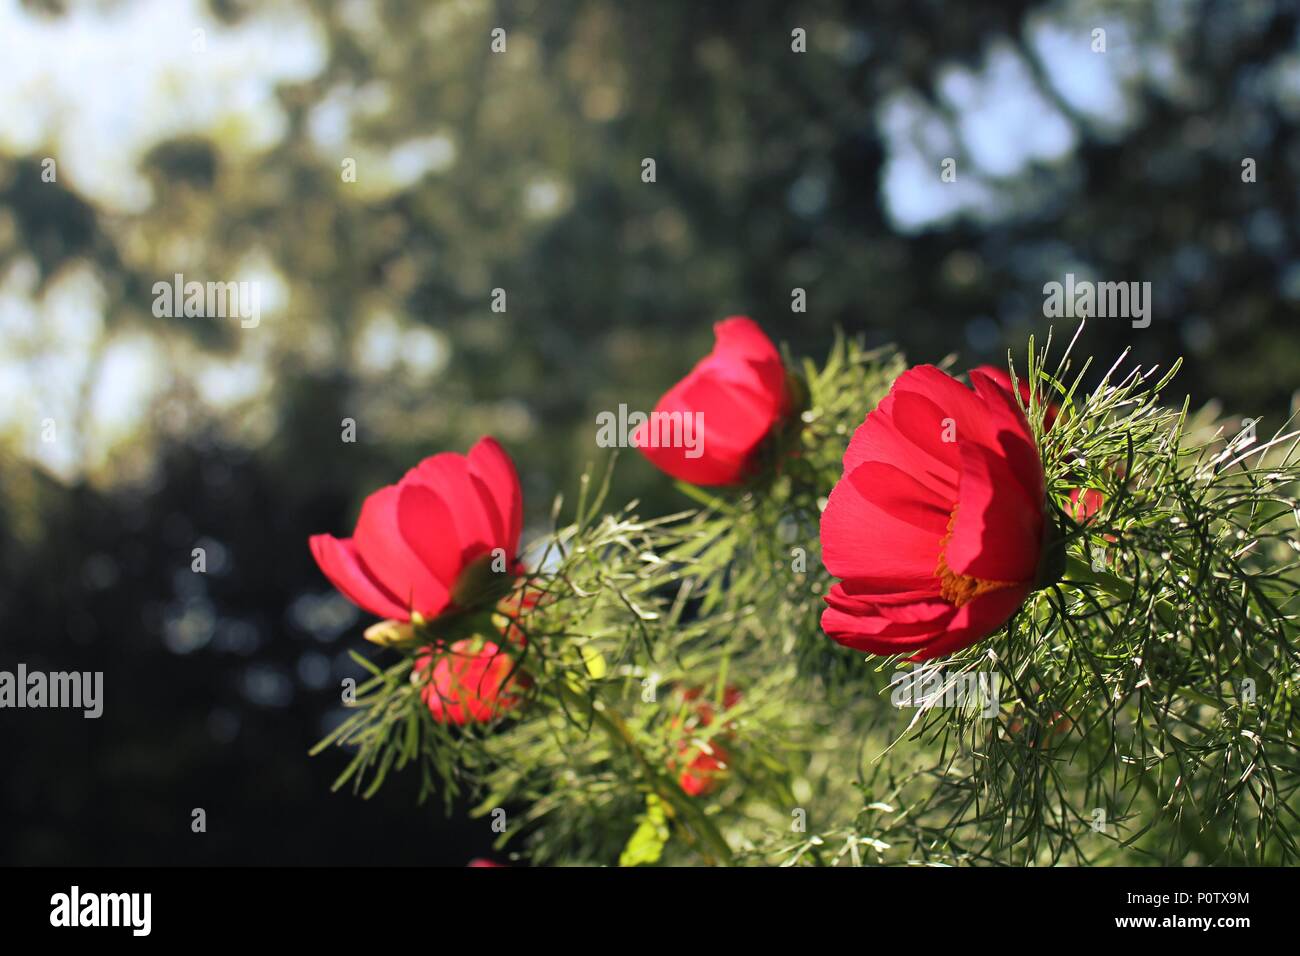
(214, 139)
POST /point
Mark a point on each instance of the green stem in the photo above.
(1078, 571)
(1081, 572)
(667, 789)
(1200, 838)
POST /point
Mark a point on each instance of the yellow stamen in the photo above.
(961, 589)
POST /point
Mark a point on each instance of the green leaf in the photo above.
(646, 845)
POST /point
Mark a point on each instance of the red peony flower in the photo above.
(1059, 724)
(706, 769)
(427, 545)
(1003, 378)
(937, 525)
(1084, 505)
(468, 685)
(705, 764)
(517, 607)
(704, 712)
(737, 394)
(482, 862)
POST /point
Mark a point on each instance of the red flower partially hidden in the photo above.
(468, 685)
(1059, 724)
(517, 607)
(426, 544)
(1003, 378)
(738, 394)
(706, 769)
(705, 760)
(937, 525)
(1084, 505)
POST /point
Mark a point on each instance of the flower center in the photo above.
(961, 589)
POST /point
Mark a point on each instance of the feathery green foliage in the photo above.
(1144, 706)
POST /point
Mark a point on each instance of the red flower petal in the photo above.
(468, 686)
(339, 560)
(1085, 503)
(477, 529)
(975, 620)
(879, 521)
(383, 547)
(705, 772)
(726, 427)
(1013, 438)
(1003, 379)
(996, 530)
(916, 427)
(740, 338)
(489, 463)
(739, 394)
(876, 635)
(426, 525)
(877, 591)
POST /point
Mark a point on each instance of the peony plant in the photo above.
(904, 617)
